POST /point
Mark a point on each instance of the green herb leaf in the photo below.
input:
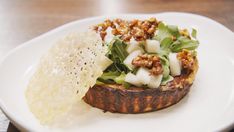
(194, 33)
(118, 50)
(166, 80)
(164, 60)
(134, 71)
(184, 43)
(117, 53)
(126, 85)
(120, 79)
(165, 66)
(163, 32)
(118, 66)
(166, 42)
(99, 82)
(174, 30)
(166, 71)
(111, 77)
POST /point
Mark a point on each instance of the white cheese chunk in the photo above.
(155, 81)
(130, 57)
(143, 76)
(133, 46)
(175, 66)
(152, 46)
(109, 36)
(133, 41)
(132, 79)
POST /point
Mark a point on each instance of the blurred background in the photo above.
(22, 20)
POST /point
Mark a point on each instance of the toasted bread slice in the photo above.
(115, 98)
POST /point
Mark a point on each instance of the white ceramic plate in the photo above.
(208, 107)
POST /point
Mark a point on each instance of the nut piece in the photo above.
(187, 59)
(138, 29)
(151, 62)
(184, 33)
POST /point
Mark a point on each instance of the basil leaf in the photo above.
(194, 33)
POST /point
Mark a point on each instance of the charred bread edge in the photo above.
(113, 98)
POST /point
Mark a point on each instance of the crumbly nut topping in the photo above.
(187, 59)
(185, 33)
(151, 62)
(138, 29)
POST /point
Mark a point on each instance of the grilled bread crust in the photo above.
(115, 98)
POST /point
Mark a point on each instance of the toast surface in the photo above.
(115, 98)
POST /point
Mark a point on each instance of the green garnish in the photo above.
(172, 40)
(163, 32)
(165, 66)
(118, 50)
(120, 78)
(194, 33)
(166, 80)
(117, 53)
(166, 42)
(113, 77)
(167, 32)
(183, 43)
(116, 72)
(173, 30)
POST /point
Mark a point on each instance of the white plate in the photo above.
(208, 107)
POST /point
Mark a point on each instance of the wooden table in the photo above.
(22, 20)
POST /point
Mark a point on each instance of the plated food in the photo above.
(119, 66)
(153, 66)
